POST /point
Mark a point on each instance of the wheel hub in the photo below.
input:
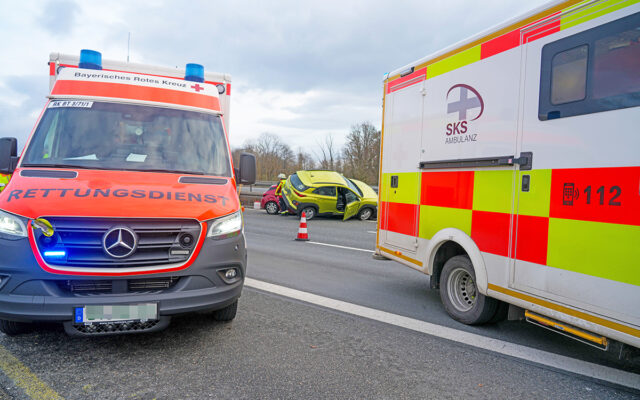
(461, 290)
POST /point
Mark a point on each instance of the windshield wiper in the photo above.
(168, 171)
(62, 166)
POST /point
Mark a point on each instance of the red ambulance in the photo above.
(122, 209)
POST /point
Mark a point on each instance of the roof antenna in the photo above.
(128, 45)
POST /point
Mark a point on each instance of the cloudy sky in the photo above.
(301, 69)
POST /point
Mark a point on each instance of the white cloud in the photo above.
(301, 69)
(300, 118)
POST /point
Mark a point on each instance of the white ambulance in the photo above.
(510, 171)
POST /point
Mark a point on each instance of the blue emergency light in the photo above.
(194, 73)
(90, 59)
(55, 253)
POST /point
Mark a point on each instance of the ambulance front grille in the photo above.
(159, 242)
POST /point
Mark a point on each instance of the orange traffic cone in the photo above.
(302, 232)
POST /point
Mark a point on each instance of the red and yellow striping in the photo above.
(592, 230)
(522, 32)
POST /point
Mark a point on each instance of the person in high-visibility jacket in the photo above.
(4, 179)
(278, 193)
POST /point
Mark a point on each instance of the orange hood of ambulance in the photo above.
(131, 194)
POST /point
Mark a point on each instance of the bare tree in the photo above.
(327, 153)
(304, 160)
(361, 153)
(273, 156)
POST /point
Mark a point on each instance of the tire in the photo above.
(501, 313)
(365, 214)
(12, 328)
(459, 294)
(226, 314)
(272, 207)
(309, 212)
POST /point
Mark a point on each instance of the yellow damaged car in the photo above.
(329, 193)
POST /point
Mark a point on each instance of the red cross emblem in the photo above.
(197, 88)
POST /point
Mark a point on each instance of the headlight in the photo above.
(12, 225)
(224, 227)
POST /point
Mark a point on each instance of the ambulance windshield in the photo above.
(97, 135)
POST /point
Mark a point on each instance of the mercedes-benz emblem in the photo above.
(119, 242)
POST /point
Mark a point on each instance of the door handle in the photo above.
(526, 181)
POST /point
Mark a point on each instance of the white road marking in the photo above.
(374, 232)
(341, 247)
(541, 357)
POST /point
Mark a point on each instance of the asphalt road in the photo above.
(282, 348)
(355, 277)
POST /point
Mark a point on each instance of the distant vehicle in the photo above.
(329, 193)
(270, 201)
(501, 179)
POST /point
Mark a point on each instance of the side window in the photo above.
(326, 191)
(569, 76)
(350, 197)
(592, 71)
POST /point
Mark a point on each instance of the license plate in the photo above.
(119, 313)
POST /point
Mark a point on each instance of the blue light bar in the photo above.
(194, 73)
(55, 253)
(90, 59)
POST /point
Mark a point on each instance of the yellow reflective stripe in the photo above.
(591, 12)
(609, 251)
(493, 191)
(408, 190)
(568, 311)
(456, 61)
(537, 200)
(433, 219)
(400, 255)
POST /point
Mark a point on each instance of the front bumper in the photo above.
(30, 294)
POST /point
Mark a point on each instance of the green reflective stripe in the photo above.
(493, 191)
(433, 219)
(456, 61)
(408, 190)
(591, 12)
(608, 251)
(536, 201)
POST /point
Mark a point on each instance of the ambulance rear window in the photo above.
(99, 135)
(592, 71)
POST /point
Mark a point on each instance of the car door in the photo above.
(352, 205)
(325, 197)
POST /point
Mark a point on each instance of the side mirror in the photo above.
(247, 169)
(8, 155)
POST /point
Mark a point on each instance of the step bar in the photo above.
(597, 341)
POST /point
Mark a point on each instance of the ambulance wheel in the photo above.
(460, 295)
(365, 214)
(309, 212)
(226, 314)
(12, 328)
(272, 207)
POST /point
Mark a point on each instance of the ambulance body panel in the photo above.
(122, 209)
(222, 81)
(518, 148)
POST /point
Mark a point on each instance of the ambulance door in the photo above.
(468, 148)
(578, 225)
(400, 189)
